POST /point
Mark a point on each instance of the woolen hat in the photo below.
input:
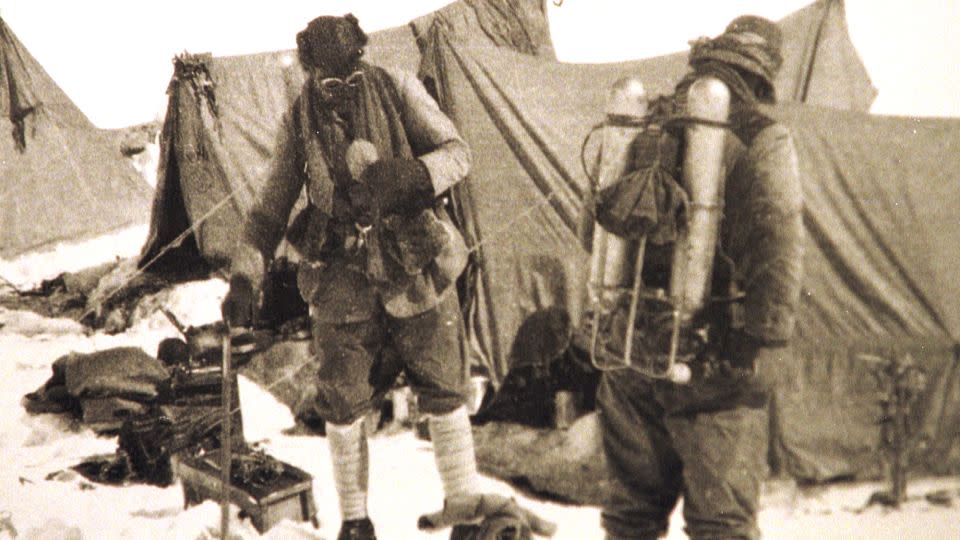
(333, 44)
(749, 43)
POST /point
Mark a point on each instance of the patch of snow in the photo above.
(195, 303)
(29, 324)
(29, 270)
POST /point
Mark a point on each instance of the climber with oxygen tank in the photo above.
(694, 287)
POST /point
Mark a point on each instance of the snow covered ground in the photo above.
(27, 271)
(40, 498)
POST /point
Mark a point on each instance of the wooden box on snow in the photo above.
(290, 496)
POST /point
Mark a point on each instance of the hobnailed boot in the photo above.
(357, 529)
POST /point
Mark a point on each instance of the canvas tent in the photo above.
(878, 265)
(881, 248)
(61, 178)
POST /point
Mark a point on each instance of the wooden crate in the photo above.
(289, 497)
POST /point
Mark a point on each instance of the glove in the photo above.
(239, 304)
(393, 186)
(499, 516)
(417, 240)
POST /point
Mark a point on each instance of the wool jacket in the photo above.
(762, 230)
(394, 111)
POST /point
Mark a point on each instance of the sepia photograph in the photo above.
(480, 270)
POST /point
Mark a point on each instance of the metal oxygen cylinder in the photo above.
(612, 258)
(703, 176)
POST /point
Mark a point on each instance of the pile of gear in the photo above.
(159, 407)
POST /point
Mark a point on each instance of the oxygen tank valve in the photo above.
(628, 99)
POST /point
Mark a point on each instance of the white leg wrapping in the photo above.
(348, 451)
(453, 448)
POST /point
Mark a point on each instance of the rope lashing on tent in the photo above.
(509, 224)
(167, 247)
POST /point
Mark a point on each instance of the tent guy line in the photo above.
(167, 247)
(6, 282)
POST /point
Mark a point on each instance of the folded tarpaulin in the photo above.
(102, 388)
(123, 372)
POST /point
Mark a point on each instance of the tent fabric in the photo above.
(821, 66)
(877, 262)
(516, 25)
(825, 414)
(224, 115)
(62, 178)
(881, 201)
(881, 223)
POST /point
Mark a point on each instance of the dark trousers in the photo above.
(359, 361)
(664, 441)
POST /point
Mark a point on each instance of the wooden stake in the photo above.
(225, 442)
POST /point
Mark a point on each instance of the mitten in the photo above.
(398, 186)
(498, 517)
(755, 359)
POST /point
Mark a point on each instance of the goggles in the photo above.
(336, 84)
